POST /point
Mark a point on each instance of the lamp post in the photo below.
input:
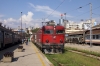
(21, 24)
(25, 30)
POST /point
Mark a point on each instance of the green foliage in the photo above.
(35, 30)
(27, 35)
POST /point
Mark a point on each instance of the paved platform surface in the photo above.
(31, 56)
(84, 47)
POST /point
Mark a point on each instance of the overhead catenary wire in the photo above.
(96, 14)
(67, 12)
(55, 9)
(78, 8)
(87, 12)
(61, 4)
(92, 9)
(71, 10)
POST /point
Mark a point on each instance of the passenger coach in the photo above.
(8, 37)
(95, 35)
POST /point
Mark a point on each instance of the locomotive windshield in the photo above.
(48, 32)
(60, 32)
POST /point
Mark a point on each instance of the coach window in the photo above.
(7, 35)
(60, 32)
(97, 36)
(4, 35)
(48, 32)
(87, 36)
(94, 37)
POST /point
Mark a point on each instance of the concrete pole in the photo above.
(90, 25)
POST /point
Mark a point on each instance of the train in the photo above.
(95, 35)
(8, 37)
(76, 37)
(50, 38)
(83, 37)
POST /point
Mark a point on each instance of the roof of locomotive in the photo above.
(52, 27)
(60, 27)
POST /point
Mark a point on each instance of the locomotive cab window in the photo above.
(60, 32)
(48, 32)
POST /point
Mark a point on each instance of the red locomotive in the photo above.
(50, 37)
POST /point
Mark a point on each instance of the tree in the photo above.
(35, 30)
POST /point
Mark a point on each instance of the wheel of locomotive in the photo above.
(42, 49)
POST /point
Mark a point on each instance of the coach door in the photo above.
(1, 39)
(13, 38)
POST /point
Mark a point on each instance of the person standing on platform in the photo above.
(29, 39)
(22, 41)
(26, 41)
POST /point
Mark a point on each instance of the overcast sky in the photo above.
(35, 11)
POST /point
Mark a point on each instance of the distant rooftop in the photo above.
(96, 27)
(77, 32)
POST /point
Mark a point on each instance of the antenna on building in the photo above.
(65, 15)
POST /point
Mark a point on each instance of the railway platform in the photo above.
(30, 56)
(84, 47)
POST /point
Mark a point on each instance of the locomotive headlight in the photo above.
(47, 41)
(61, 41)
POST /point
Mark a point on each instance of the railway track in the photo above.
(87, 53)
